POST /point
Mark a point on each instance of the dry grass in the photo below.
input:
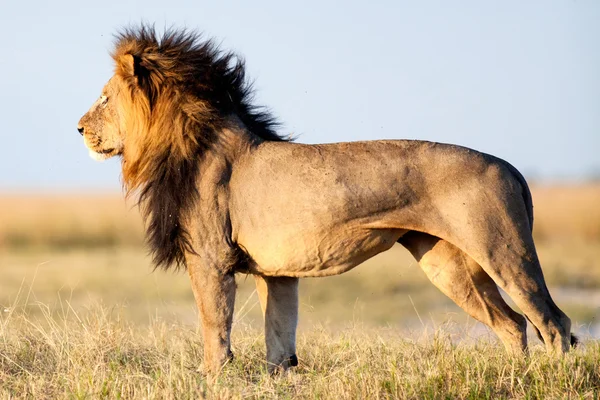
(85, 316)
(382, 291)
(100, 355)
(388, 290)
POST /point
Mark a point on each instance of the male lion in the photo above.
(222, 193)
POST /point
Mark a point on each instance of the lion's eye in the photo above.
(103, 100)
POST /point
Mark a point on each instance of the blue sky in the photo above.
(520, 80)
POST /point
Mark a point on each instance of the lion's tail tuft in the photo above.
(574, 341)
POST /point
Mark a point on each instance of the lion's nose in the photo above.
(80, 130)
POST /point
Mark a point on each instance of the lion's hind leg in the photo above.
(460, 278)
(506, 252)
(279, 303)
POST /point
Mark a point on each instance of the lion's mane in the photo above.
(177, 99)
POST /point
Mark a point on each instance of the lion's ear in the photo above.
(135, 69)
(128, 65)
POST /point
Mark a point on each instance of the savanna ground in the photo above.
(83, 316)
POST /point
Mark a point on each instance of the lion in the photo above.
(223, 193)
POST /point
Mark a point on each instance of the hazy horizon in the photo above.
(517, 80)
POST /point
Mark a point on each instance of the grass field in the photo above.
(102, 355)
(84, 316)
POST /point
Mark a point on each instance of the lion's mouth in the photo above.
(105, 151)
(101, 155)
(95, 151)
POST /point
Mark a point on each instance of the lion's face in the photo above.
(102, 127)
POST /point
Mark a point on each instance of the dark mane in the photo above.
(201, 87)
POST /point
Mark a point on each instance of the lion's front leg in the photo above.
(215, 296)
(279, 302)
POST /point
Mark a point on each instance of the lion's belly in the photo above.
(317, 253)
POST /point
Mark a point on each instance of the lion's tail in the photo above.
(529, 206)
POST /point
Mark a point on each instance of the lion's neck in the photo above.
(235, 141)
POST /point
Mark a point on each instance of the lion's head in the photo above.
(102, 126)
(170, 98)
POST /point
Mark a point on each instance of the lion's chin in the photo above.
(99, 156)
